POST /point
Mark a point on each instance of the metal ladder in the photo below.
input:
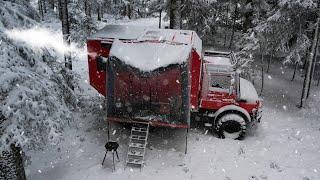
(137, 144)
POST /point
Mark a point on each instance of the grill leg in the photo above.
(114, 167)
(108, 131)
(117, 156)
(186, 147)
(104, 157)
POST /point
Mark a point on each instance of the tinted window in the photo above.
(220, 81)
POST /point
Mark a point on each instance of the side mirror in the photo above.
(101, 63)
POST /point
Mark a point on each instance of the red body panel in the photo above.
(130, 87)
(159, 94)
(195, 73)
(97, 78)
(216, 100)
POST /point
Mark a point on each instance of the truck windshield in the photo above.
(220, 82)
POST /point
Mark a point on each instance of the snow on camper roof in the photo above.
(148, 56)
(142, 33)
(119, 32)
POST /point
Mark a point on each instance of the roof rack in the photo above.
(216, 53)
(230, 54)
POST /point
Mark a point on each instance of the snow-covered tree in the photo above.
(35, 99)
(285, 28)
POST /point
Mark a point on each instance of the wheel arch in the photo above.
(232, 109)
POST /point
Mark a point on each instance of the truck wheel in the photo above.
(231, 126)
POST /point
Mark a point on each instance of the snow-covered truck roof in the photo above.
(143, 34)
(219, 61)
(218, 64)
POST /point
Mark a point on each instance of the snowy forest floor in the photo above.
(285, 145)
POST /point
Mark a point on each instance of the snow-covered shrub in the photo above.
(35, 99)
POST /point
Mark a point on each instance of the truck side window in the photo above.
(101, 65)
(220, 82)
(106, 45)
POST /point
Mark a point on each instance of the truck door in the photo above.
(218, 90)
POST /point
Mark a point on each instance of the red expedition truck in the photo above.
(162, 77)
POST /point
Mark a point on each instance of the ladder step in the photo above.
(139, 129)
(135, 153)
(137, 137)
(137, 145)
(135, 161)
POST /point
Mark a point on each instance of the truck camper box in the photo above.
(147, 75)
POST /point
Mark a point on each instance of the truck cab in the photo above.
(228, 102)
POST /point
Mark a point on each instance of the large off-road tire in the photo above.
(231, 126)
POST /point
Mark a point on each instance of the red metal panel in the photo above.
(195, 70)
(220, 100)
(97, 78)
(133, 88)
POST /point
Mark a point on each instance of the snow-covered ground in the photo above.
(284, 146)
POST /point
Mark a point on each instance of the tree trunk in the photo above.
(262, 70)
(44, 6)
(51, 4)
(175, 14)
(294, 72)
(11, 164)
(40, 9)
(102, 10)
(128, 10)
(227, 24)
(248, 16)
(305, 59)
(180, 12)
(87, 7)
(269, 61)
(318, 79)
(234, 24)
(262, 80)
(307, 77)
(313, 67)
(99, 13)
(60, 9)
(66, 32)
(160, 18)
